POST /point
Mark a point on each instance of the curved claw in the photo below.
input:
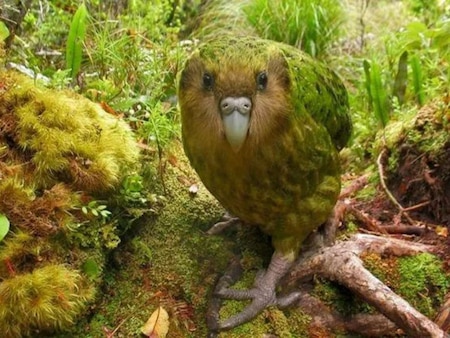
(261, 300)
(226, 222)
(289, 299)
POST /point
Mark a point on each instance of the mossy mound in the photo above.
(419, 162)
(60, 155)
(61, 137)
(48, 298)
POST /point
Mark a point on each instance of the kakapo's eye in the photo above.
(208, 81)
(261, 80)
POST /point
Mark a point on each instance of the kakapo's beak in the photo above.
(235, 113)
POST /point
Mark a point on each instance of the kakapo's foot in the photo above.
(226, 222)
(263, 293)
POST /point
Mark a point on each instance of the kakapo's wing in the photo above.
(319, 92)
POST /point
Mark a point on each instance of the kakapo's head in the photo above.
(235, 92)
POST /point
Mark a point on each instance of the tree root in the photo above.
(341, 263)
(369, 325)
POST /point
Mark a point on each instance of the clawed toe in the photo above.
(261, 299)
(227, 221)
(262, 295)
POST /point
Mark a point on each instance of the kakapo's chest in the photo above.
(270, 183)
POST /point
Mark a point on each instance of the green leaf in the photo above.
(4, 31)
(401, 79)
(105, 213)
(75, 39)
(376, 92)
(379, 96)
(416, 68)
(91, 268)
(4, 226)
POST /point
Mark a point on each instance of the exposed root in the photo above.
(341, 263)
(356, 185)
(369, 325)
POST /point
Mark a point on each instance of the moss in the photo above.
(69, 138)
(385, 269)
(339, 298)
(21, 252)
(59, 152)
(423, 282)
(419, 279)
(49, 298)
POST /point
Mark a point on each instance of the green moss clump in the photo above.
(48, 298)
(419, 279)
(69, 138)
(423, 282)
(385, 269)
(339, 298)
(62, 162)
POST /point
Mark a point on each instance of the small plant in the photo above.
(376, 92)
(417, 76)
(75, 40)
(96, 209)
(4, 226)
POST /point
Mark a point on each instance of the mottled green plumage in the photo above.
(286, 177)
(262, 124)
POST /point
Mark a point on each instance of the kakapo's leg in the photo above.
(226, 222)
(263, 293)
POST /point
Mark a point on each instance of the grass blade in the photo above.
(75, 39)
(401, 79)
(417, 76)
(379, 96)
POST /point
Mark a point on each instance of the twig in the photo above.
(364, 7)
(368, 222)
(404, 229)
(417, 206)
(403, 211)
